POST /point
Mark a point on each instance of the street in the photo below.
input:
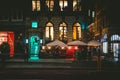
(58, 69)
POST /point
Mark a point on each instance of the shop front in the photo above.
(115, 46)
(34, 47)
(8, 36)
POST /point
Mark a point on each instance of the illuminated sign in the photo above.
(34, 24)
(8, 37)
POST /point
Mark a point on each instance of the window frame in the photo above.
(36, 4)
(51, 35)
(78, 34)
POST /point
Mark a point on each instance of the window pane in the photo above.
(63, 4)
(62, 31)
(76, 5)
(79, 32)
(76, 31)
(49, 31)
(33, 6)
(52, 33)
(50, 4)
(38, 5)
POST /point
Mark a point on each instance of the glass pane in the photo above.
(33, 6)
(52, 33)
(74, 5)
(50, 4)
(38, 5)
(47, 32)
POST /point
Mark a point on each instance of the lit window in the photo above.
(115, 37)
(34, 24)
(76, 31)
(89, 12)
(49, 31)
(76, 5)
(16, 15)
(63, 4)
(93, 14)
(63, 31)
(50, 4)
(35, 5)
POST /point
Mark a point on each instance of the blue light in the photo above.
(34, 58)
(34, 24)
(83, 26)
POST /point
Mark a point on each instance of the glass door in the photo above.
(34, 48)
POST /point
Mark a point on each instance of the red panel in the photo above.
(11, 42)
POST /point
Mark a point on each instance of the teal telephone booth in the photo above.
(34, 48)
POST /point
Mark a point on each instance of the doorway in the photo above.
(34, 48)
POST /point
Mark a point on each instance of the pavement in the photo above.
(59, 69)
(68, 63)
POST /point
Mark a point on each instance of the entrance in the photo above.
(115, 49)
(34, 47)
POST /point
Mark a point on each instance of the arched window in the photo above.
(49, 31)
(63, 31)
(76, 31)
(63, 4)
(35, 5)
(115, 37)
(50, 4)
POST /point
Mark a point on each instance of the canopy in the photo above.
(94, 43)
(58, 43)
(77, 43)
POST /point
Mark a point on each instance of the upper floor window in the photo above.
(63, 4)
(49, 31)
(4, 16)
(16, 15)
(76, 31)
(35, 5)
(63, 31)
(76, 5)
(50, 4)
(93, 14)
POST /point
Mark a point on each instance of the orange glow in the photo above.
(63, 47)
(69, 47)
(74, 32)
(49, 47)
(76, 47)
(43, 47)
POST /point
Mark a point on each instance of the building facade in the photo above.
(37, 22)
(105, 27)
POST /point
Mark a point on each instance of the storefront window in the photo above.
(115, 45)
(115, 37)
(35, 5)
(76, 31)
(63, 31)
(105, 47)
(49, 31)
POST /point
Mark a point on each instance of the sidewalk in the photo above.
(69, 63)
